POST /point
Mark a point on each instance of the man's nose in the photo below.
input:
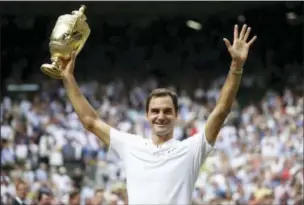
(161, 116)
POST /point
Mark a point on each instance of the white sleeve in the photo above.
(121, 141)
(199, 149)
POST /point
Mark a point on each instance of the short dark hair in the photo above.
(99, 190)
(74, 193)
(162, 92)
(44, 191)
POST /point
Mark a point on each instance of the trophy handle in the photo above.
(80, 14)
(52, 70)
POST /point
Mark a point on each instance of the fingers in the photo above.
(72, 59)
(73, 56)
(242, 34)
(247, 34)
(236, 33)
(227, 43)
(252, 41)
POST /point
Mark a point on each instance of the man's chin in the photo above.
(162, 134)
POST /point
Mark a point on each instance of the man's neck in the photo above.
(159, 140)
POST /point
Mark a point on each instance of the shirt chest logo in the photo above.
(164, 153)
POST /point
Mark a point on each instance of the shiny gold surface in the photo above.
(69, 34)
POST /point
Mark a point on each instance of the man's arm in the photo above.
(86, 113)
(239, 53)
(223, 106)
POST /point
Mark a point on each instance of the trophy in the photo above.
(69, 34)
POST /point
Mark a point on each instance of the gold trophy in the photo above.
(69, 34)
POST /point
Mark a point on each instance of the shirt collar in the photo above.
(163, 145)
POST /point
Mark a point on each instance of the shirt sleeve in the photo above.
(199, 149)
(120, 142)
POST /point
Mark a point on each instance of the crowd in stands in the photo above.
(258, 155)
(47, 157)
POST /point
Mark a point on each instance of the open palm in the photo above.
(239, 49)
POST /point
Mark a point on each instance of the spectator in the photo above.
(74, 198)
(21, 193)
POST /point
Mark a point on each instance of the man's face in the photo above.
(46, 200)
(21, 191)
(75, 200)
(99, 196)
(161, 116)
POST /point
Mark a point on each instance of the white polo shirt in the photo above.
(163, 174)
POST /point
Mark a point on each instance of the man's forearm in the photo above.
(230, 88)
(79, 102)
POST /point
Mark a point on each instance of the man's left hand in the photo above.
(239, 49)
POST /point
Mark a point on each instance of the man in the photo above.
(21, 192)
(45, 197)
(74, 198)
(97, 199)
(99, 196)
(163, 170)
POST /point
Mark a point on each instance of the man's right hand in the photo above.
(68, 66)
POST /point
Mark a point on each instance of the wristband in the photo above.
(237, 72)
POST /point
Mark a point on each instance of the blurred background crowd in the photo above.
(48, 158)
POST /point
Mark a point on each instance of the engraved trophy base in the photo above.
(51, 70)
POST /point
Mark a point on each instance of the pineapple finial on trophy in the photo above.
(82, 9)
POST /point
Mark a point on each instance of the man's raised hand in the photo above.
(239, 49)
(68, 65)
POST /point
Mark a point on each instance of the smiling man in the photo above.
(163, 170)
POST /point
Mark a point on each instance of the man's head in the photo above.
(74, 198)
(21, 189)
(161, 112)
(45, 197)
(99, 195)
